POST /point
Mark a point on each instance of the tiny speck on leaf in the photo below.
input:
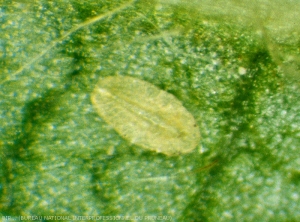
(146, 115)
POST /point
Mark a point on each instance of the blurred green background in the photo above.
(233, 64)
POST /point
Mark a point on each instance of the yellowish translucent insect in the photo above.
(146, 115)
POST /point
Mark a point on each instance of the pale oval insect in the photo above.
(146, 115)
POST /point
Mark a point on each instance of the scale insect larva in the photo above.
(146, 115)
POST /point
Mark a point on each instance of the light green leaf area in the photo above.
(58, 157)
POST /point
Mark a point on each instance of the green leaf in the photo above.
(59, 158)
